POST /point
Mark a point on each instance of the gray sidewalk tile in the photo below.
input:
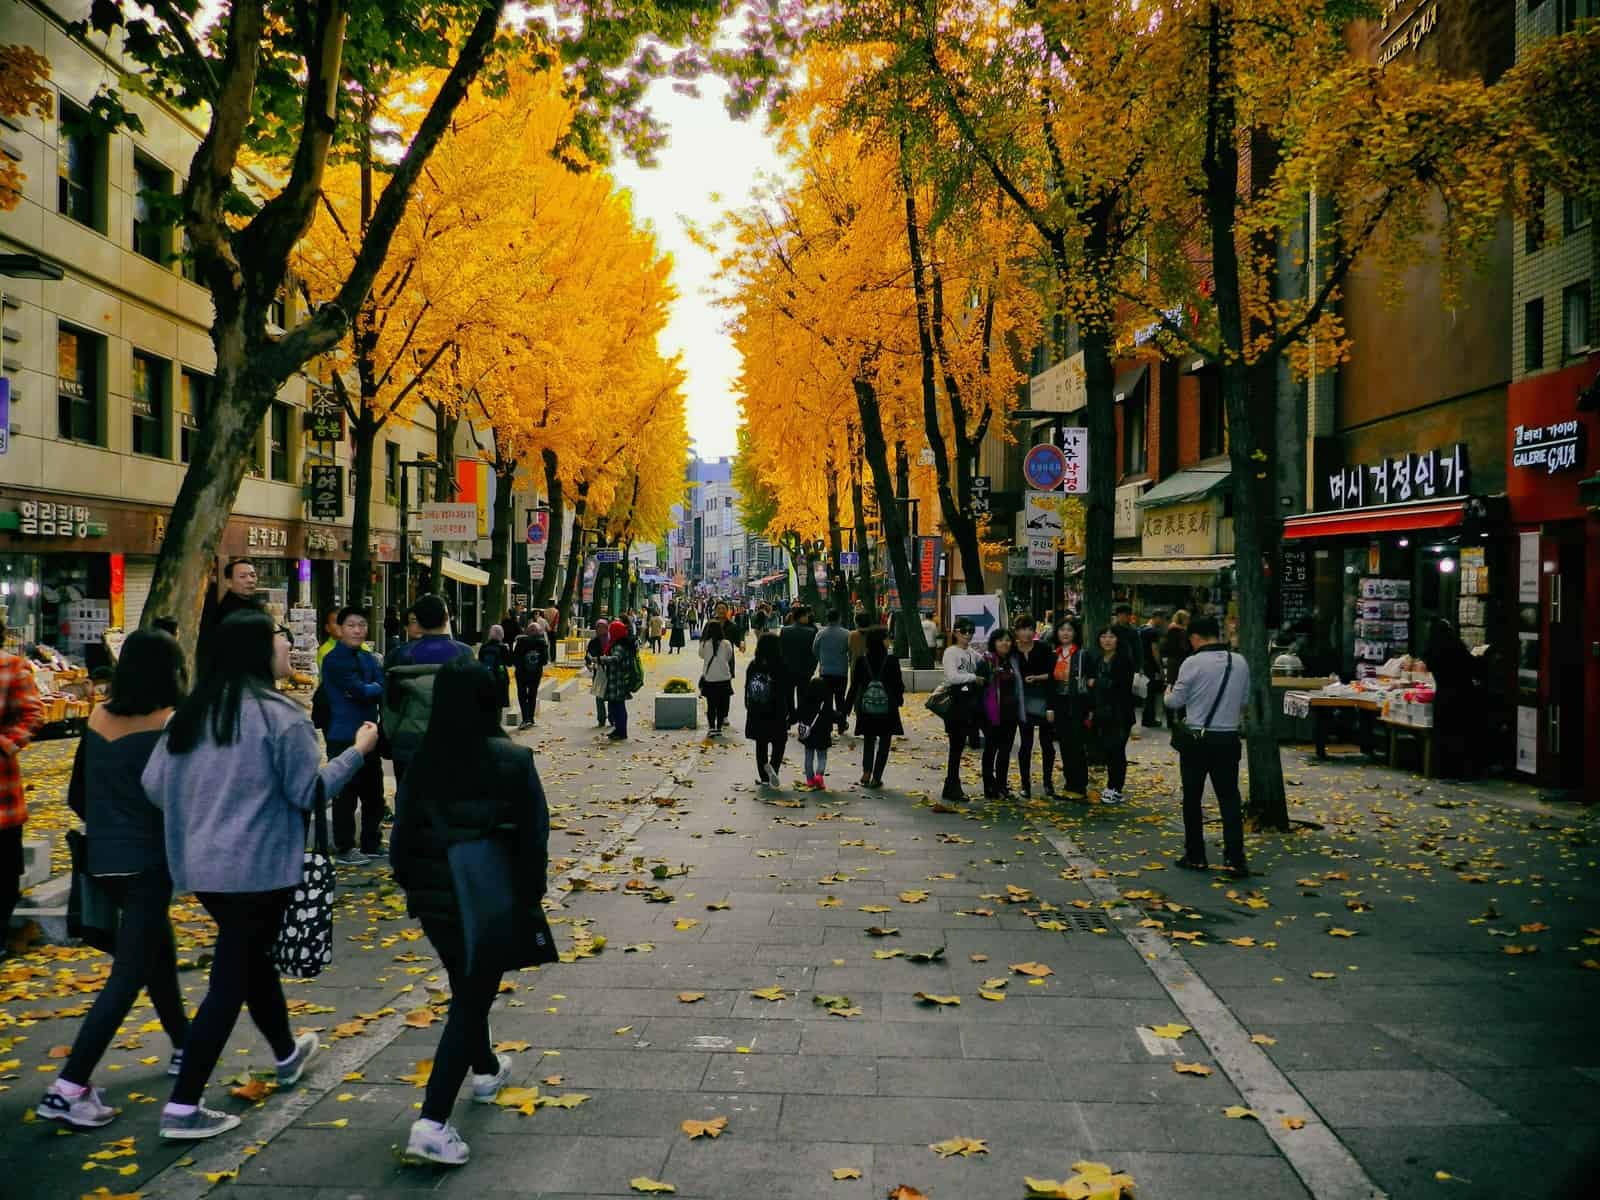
(1375, 1099)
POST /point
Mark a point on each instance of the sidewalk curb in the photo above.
(190, 1183)
(1324, 1164)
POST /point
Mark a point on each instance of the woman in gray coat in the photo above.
(235, 777)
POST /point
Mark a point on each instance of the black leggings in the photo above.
(1047, 751)
(1069, 734)
(719, 697)
(1114, 742)
(769, 753)
(956, 732)
(997, 742)
(242, 973)
(464, 1043)
(145, 958)
(875, 754)
(528, 692)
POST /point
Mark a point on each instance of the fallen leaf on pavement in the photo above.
(769, 993)
(1241, 941)
(925, 956)
(1323, 975)
(942, 1001)
(341, 1123)
(644, 1183)
(906, 1191)
(553, 1080)
(843, 1173)
(256, 1089)
(516, 1097)
(881, 931)
(1092, 1181)
(1236, 1111)
(914, 896)
(683, 923)
(570, 1100)
(511, 1047)
(873, 908)
(978, 958)
(1263, 1039)
(1173, 1031)
(986, 994)
(712, 1128)
(1337, 932)
(1032, 969)
(1183, 1068)
(690, 997)
(888, 953)
(964, 1146)
(421, 1018)
(828, 902)
(1294, 1122)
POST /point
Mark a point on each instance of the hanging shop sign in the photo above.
(1405, 479)
(1041, 529)
(5, 415)
(326, 423)
(1180, 530)
(980, 489)
(927, 571)
(1075, 460)
(442, 522)
(327, 492)
(1549, 449)
(53, 519)
(1294, 585)
(1127, 510)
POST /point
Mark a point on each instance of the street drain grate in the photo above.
(1086, 922)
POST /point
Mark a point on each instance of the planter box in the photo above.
(921, 681)
(677, 712)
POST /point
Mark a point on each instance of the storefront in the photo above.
(1396, 546)
(1185, 530)
(1549, 452)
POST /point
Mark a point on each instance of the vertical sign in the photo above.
(327, 492)
(5, 414)
(928, 572)
(119, 591)
(1075, 453)
(327, 416)
(1294, 592)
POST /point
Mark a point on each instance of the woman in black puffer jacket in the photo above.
(467, 780)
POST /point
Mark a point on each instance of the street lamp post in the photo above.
(421, 464)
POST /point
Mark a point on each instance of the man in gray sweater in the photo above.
(1211, 691)
(831, 648)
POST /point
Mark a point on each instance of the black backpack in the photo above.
(760, 694)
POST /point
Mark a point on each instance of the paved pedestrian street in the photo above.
(791, 994)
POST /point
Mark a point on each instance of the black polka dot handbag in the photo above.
(305, 939)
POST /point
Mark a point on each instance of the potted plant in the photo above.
(677, 705)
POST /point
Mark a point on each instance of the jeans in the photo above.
(816, 762)
(769, 753)
(10, 874)
(367, 787)
(997, 756)
(1047, 752)
(956, 733)
(241, 974)
(618, 711)
(528, 694)
(874, 755)
(838, 685)
(464, 1042)
(145, 958)
(1216, 758)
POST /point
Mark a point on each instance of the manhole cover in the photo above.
(1086, 922)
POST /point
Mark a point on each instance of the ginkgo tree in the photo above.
(273, 76)
(24, 91)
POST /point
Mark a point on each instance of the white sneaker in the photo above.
(1110, 796)
(486, 1087)
(85, 1111)
(304, 1047)
(429, 1145)
(197, 1126)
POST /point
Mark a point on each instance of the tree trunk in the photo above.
(1099, 526)
(497, 599)
(836, 585)
(1267, 806)
(185, 566)
(893, 518)
(364, 435)
(444, 486)
(569, 585)
(864, 586)
(554, 535)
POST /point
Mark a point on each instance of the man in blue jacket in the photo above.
(352, 681)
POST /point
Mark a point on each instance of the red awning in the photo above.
(1385, 518)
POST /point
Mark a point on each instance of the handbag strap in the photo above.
(1217, 699)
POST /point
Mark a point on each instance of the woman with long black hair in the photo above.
(467, 781)
(236, 776)
(1108, 680)
(1003, 708)
(128, 858)
(1069, 708)
(877, 692)
(716, 675)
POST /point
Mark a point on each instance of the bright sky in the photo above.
(711, 163)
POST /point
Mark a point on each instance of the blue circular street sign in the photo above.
(1043, 468)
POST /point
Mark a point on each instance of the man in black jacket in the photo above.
(1151, 635)
(797, 646)
(238, 594)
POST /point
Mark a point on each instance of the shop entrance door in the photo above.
(1562, 723)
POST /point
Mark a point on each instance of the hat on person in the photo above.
(618, 631)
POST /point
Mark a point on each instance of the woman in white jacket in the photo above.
(716, 677)
(963, 671)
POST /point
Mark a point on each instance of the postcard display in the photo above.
(1383, 623)
(1472, 616)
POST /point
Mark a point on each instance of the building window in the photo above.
(186, 262)
(1213, 416)
(80, 172)
(1533, 228)
(1575, 214)
(278, 440)
(1533, 335)
(149, 402)
(194, 402)
(277, 312)
(151, 230)
(1573, 11)
(1135, 456)
(391, 473)
(1575, 319)
(78, 356)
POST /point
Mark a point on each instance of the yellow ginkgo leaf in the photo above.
(1323, 975)
(941, 1001)
(1263, 1039)
(842, 1173)
(913, 896)
(516, 1097)
(712, 1128)
(643, 1183)
(683, 923)
(1294, 1122)
(769, 993)
(1338, 932)
(1173, 1031)
(1033, 969)
(511, 1047)
(986, 994)
(1237, 1111)
(964, 1146)
(1186, 1068)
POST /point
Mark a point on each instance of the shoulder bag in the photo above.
(1185, 736)
(92, 912)
(500, 935)
(304, 945)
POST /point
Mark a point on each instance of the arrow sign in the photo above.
(982, 611)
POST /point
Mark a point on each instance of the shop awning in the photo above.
(1184, 488)
(1382, 518)
(1178, 572)
(1128, 381)
(463, 572)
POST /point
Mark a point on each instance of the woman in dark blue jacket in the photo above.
(352, 681)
